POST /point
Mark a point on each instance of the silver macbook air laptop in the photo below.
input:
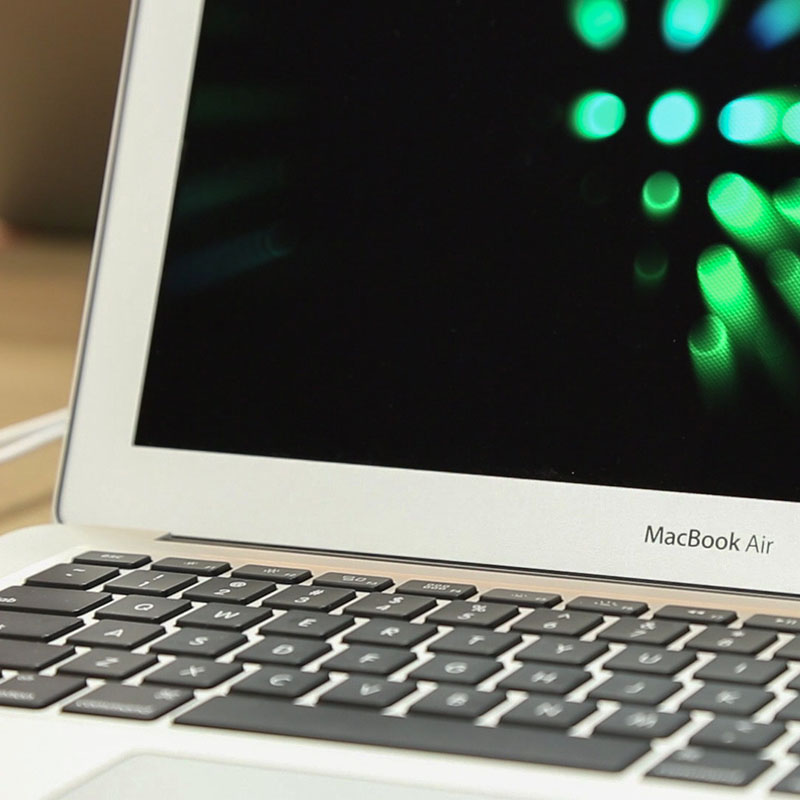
(436, 427)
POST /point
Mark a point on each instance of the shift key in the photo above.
(65, 602)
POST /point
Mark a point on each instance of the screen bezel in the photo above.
(417, 514)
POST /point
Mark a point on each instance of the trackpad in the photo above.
(164, 776)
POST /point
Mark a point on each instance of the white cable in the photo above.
(19, 429)
(23, 437)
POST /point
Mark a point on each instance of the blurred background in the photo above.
(59, 68)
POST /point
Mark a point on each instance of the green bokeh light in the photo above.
(661, 195)
(597, 115)
(783, 269)
(650, 268)
(758, 120)
(686, 24)
(600, 24)
(712, 358)
(790, 126)
(787, 201)
(674, 117)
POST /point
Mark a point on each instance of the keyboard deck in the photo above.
(585, 682)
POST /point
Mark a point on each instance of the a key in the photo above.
(37, 691)
(223, 617)
(640, 689)
(115, 633)
(309, 598)
(741, 701)
(369, 660)
(545, 711)
(737, 734)
(279, 682)
(711, 766)
(794, 683)
(545, 679)
(130, 702)
(72, 576)
(441, 590)
(396, 633)
(415, 732)
(150, 583)
(695, 615)
(283, 650)
(475, 642)
(652, 660)
(474, 614)
(193, 673)
(791, 711)
(560, 650)
(455, 669)
(368, 692)
(790, 784)
(138, 608)
(564, 623)
(31, 655)
(308, 623)
(460, 702)
(199, 642)
(644, 723)
(347, 580)
(111, 664)
(102, 558)
(192, 566)
(740, 669)
(393, 606)
(732, 640)
(65, 602)
(644, 631)
(790, 651)
(228, 590)
(606, 605)
(263, 572)
(773, 623)
(522, 598)
(35, 627)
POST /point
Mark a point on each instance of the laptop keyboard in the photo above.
(424, 665)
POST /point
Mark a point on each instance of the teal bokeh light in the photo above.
(600, 24)
(674, 117)
(597, 115)
(775, 22)
(686, 24)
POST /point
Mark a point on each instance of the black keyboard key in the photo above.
(150, 583)
(565, 623)
(368, 692)
(116, 633)
(392, 606)
(228, 590)
(309, 598)
(35, 627)
(441, 590)
(223, 617)
(544, 711)
(199, 642)
(463, 703)
(415, 732)
(644, 631)
(349, 580)
(396, 633)
(651, 660)
(31, 655)
(138, 608)
(696, 616)
(120, 560)
(791, 711)
(130, 702)
(114, 665)
(279, 682)
(475, 642)
(263, 572)
(740, 669)
(72, 576)
(283, 650)
(307, 623)
(737, 734)
(455, 669)
(773, 623)
(607, 605)
(560, 650)
(790, 784)
(474, 614)
(710, 766)
(740, 701)
(639, 689)
(522, 598)
(191, 566)
(642, 723)
(65, 602)
(794, 683)
(193, 673)
(732, 640)
(369, 660)
(790, 651)
(545, 679)
(37, 691)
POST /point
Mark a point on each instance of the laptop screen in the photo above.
(556, 241)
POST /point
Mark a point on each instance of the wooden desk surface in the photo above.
(42, 284)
